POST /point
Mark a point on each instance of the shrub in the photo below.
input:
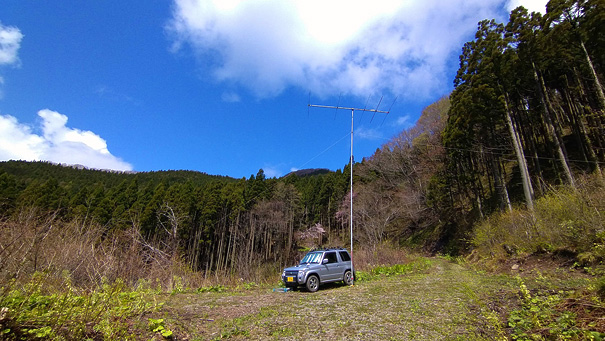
(564, 219)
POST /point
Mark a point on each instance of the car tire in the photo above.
(348, 278)
(312, 283)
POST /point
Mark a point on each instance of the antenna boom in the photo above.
(346, 108)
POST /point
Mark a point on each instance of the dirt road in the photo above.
(445, 302)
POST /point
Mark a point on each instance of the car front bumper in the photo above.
(293, 278)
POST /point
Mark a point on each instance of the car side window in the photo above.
(344, 256)
(331, 257)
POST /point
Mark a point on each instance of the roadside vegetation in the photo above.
(566, 223)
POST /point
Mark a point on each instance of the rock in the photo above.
(3, 314)
(515, 267)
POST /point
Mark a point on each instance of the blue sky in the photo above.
(222, 86)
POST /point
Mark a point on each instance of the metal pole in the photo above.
(351, 216)
(350, 161)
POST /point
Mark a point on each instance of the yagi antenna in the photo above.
(351, 159)
(378, 106)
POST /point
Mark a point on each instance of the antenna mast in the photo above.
(351, 159)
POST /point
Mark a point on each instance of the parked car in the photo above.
(320, 267)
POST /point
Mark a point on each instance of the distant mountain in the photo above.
(80, 176)
(309, 172)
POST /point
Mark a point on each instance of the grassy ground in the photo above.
(533, 298)
(444, 301)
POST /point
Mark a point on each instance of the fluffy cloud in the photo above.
(368, 134)
(401, 47)
(10, 41)
(272, 172)
(403, 121)
(531, 5)
(58, 143)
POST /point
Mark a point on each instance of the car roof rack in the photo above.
(329, 249)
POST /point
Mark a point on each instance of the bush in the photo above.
(564, 219)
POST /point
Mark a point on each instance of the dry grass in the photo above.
(383, 254)
(85, 251)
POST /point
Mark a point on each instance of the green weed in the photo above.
(249, 286)
(177, 285)
(402, 269)
(234, 330)
(542, 317)
(212, 288)
(157, 326)
(28, 311)
(421, 264)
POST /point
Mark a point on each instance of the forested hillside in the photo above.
(527, 113)
(528, 103)
(215, 223)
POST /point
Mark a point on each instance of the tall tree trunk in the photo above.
(290, 235)
(595, 78)
(477, 186)
(502, 171)
(500, 184)
(595, 130)
(525, 178)
(235, 241)
(582, 132)
(554, 136)
(196, 248)
(527, 137)
(252, 237)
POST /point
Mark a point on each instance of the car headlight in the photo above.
(283, 274)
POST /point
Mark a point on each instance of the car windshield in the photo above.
(312, 257)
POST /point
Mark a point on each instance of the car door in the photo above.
(331, 267)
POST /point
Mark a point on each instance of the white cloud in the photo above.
(272, 172)
(330, 47)
(368, 134)
(113, 95)
(403, 121)
(17, 142)
(10, 41)
(58, 143)
(531, 5)
(230, 97)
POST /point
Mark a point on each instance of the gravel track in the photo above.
(445, 302)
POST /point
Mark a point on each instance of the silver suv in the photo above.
(320, 267)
